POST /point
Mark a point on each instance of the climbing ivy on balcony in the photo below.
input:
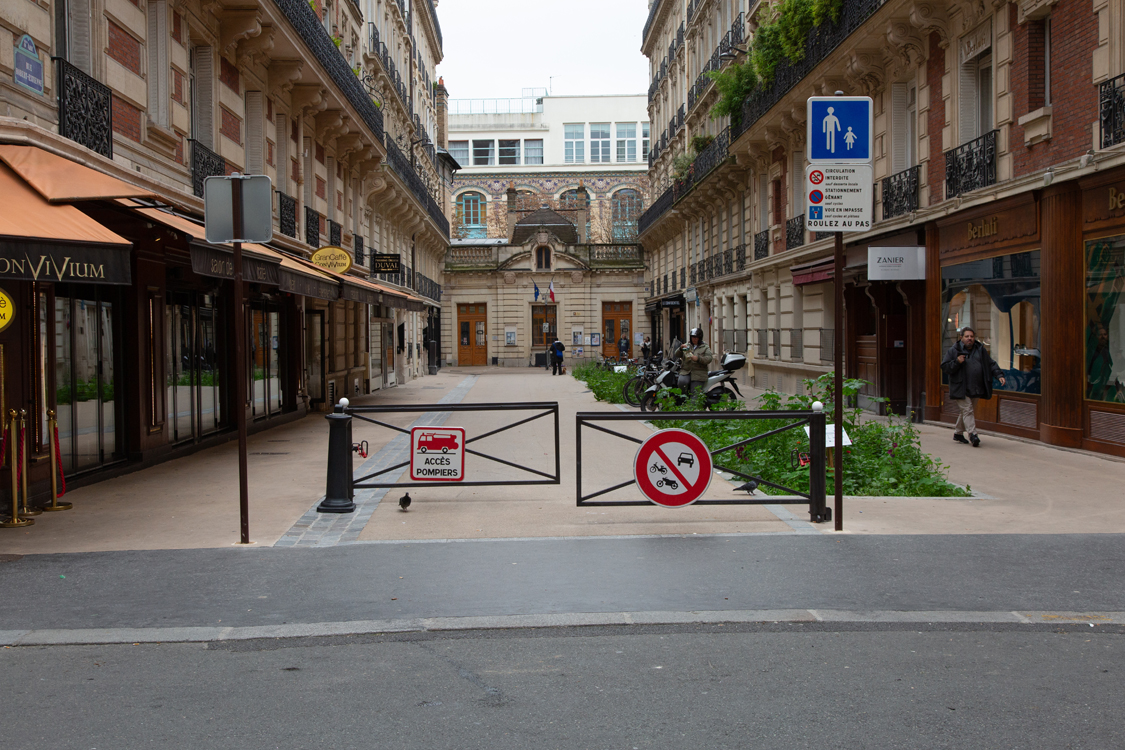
(783, 33)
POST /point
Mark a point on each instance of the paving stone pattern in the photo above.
(329, 529)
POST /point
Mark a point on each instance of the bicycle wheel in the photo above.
(629, 391)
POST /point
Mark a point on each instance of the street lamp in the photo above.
(729, 54)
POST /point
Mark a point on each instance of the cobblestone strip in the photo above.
(327, 529)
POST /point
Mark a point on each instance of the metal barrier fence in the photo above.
(815, 497)
(341, 485)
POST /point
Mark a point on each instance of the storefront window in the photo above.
(999, 299)
(1105, 320)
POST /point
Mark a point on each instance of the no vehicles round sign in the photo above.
(673, 468)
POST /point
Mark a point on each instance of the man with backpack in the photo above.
(970, 370)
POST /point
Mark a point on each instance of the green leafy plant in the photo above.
(606, 385)
(700, 142)
(337, 40)
(683, 163)
(734, 84)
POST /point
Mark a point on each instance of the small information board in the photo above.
(437, 454)
(839, 197)
(830, 435)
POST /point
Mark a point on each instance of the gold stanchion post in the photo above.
(26, 510)
(15, 521)
(52, 423)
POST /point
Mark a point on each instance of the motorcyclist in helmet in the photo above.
(695, 358)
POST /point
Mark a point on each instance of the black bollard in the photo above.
(338, 492)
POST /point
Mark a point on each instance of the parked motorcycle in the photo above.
(719, 383)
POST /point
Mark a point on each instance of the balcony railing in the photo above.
(405, 170)
(827, 345)
(691, 274)
(683, 278)
(762, 245)
(712, 156)
(308, 26)
(85, 109)
(287, 215)
(775, 341)
(312, 227)
(795, 232)
(821, 42)
(796, 344)
(651, 17)
(763, 343)
(971, 166)
(1111, 107)
(900, 192)
(204, 163)
(740, 258)
(335, 233)
(357, 246)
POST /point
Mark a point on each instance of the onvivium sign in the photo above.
(332, 258)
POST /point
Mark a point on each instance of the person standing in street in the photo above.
(646, 350)
(695, 356)
(557, 350)
(970, 370)
(623, 347)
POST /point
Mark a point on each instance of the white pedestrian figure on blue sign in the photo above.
(830, 125)
(849, 138)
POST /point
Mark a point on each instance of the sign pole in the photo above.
(240, 363)
(838, 384)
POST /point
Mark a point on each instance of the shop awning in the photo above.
(400, 300)
(299, 277)
(60, 180)
(41, 241)
(814, 272)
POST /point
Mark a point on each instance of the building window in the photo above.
(544, 324)
(975, 116)
(904, 124)
(482, 153)
(471, 215)
(543, 258)
(626, 141)
(574, 143)
(644, 138)
(533, 151)
(1047, 60)
(1105, 311)
(509, 153)
(999, 299)
(599, 142)
(459, 150)
(627, 208)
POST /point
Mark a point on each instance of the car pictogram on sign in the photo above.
(673, 468)
(816, 177)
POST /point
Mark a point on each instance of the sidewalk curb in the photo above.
(136, 636)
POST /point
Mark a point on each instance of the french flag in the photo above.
(551, 290)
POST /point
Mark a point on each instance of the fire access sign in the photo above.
(838, 197)
(437, 454)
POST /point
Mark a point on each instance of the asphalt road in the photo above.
(245, 587)
(612, 688)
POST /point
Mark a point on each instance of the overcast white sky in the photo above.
(495, 48)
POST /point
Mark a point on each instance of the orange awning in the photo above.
(60, 180)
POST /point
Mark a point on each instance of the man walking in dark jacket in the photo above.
(970, 370)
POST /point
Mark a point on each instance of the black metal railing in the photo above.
(971, 166)
(1111, 109)
(658, 207)
(763, 343)
(691, 273)
(775, 341)
(335, 233)
(437, 26)
(900, 192)
(204, 163)
(287, 215)
(740, 258)
(822, 41)
(357, 244)
(795, 232)
(762, 244)
(312, 33)
(652, 11)
(796, 344)
(712, 156)
(404, 169)
(85, 109)
(683, 278)
(312, 226)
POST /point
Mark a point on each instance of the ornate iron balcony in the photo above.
(358, 245)
(762, 244)
(691, 275)
(335, 233)
(795, 232)
(683, 278)
(712, 156)
(1111, 107)
(204, 163)
(287, 215)
(740, 258)
(971, 166)
(312, 227)
(85, 109)
(900, 192)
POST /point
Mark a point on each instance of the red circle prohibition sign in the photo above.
(673, 468)
(816, 177)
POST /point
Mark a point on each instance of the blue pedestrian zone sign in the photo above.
(840, 129)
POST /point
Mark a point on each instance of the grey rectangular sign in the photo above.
(257, 208)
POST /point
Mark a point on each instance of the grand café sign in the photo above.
(78, 264)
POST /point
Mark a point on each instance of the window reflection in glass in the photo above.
(1105, 320)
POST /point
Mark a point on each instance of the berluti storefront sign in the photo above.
(1103, 201)
(362, 294)
(218, 263)
(987, 230)
(87, 265)
(309, 286)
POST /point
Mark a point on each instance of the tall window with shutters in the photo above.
(904, 126)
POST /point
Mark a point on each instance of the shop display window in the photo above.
(1105, 320)
(999, 298)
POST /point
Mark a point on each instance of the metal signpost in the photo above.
(224, 201)
(838, 183)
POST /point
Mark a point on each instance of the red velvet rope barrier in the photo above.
(58, 460)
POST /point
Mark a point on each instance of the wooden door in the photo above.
(617, 320)
(472, 335)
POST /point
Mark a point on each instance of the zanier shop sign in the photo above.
(896, 263)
